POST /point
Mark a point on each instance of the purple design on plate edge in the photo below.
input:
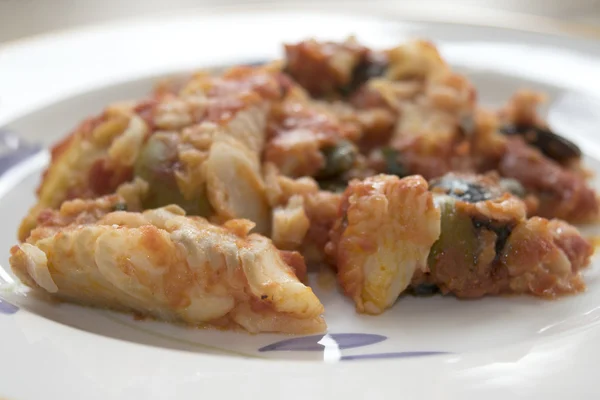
(255, 63)
(311, 343)
(7, 308)
(402, 354)
(14, 150)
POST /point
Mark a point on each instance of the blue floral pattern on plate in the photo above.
(14, 149)
(344, 341)
(311, 343)
(7, 308)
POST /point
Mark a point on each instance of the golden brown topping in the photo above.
(383, 234)
(290, 224)
(323, 68)
(164, 264)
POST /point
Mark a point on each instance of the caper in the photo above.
(338, 159)
(120, 207)
(335, 185)
(156, 164)
(393, 165)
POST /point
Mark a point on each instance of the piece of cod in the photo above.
(164, 264)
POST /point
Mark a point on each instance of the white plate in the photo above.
(437, 348)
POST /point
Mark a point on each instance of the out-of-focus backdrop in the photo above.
(22, 18)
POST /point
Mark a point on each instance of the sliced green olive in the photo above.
(458, 236)
(156, 165)
(338, 159)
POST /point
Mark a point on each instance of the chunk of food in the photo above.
(166, 140)
(83, 165)
(324, 69)
(234, 183)
(164, 264)
(423, 118)
(465, 236)
(303, 137)
(488, 246)
(380, 162)
(385, 229)
(319, 209)
(155, 166)
(290, 224)
(562, 193)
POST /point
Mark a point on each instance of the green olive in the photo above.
(458, 235)
(338, 159)
(156, 164)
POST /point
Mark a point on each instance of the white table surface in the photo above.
(23, 18)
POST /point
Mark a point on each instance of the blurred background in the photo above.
(22, 18)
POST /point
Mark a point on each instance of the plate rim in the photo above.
(336, 374)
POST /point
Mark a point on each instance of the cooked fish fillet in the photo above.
(383, 235)
(166, 140)
(164, 264)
